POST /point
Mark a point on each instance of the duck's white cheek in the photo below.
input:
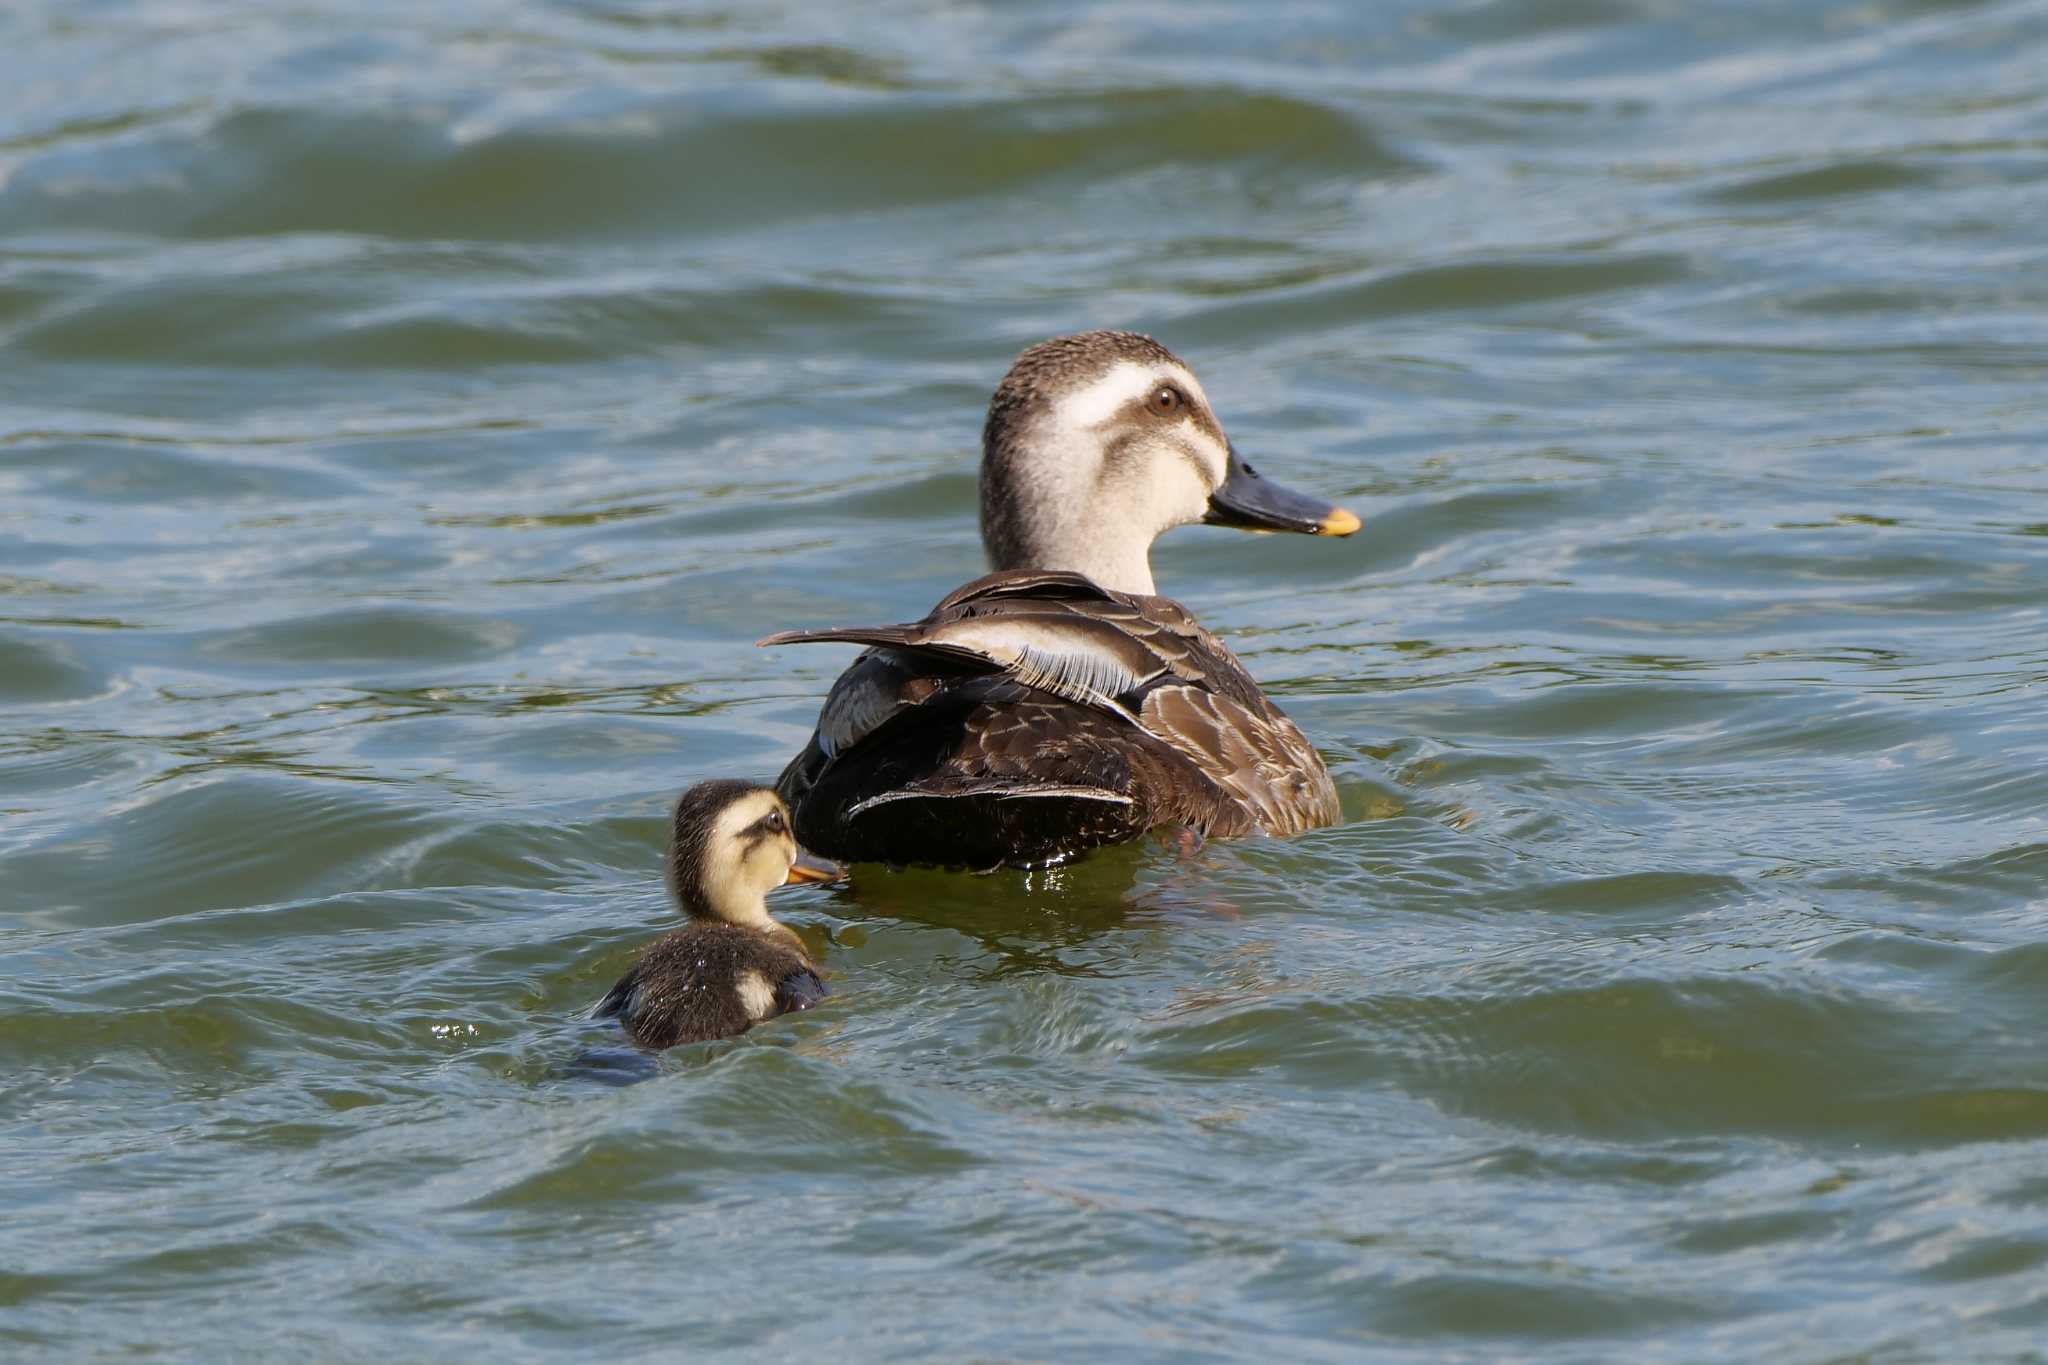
(1190, 494)
(1158, 495)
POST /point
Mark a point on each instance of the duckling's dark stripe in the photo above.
(769, 826)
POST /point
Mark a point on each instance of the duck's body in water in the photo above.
(732, 965)
(1060, 703)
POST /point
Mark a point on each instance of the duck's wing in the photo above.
(1046, 713)
(990, 773)
(995, 699)
(1168, 631)
(1210, 709)
(888, 680)
(1057, 633)
(1074, 656)
(1052, 632)
(1255, 753)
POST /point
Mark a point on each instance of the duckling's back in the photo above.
(709, 981)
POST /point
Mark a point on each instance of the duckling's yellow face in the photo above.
(749, 852)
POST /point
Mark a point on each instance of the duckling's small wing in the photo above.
(618, 1001)
(799, 990)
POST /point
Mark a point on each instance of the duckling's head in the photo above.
(1097, 443)
(730, 848)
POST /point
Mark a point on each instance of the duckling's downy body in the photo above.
(709, 981)
(732, 966)
(1060, 703)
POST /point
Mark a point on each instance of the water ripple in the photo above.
(410, 417)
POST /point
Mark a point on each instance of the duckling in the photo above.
(731, 966)
(1060, 703)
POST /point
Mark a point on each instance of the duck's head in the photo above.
(731, 847)
(1097, 443)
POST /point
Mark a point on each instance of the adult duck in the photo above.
(732, 965)
(1059, 702)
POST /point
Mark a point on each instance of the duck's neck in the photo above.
(1120, 568)
(1069, 529)
(1047, 514)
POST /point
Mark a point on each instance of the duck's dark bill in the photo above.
(1251, 502)
(807, 868)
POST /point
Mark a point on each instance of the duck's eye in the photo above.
(1165, 400)
(774, 822)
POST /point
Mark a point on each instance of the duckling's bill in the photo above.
(1250, 501)
(810, 868)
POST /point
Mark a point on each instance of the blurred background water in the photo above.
(411, 414)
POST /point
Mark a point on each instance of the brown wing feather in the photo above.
(1033, 714)
(1258, 755)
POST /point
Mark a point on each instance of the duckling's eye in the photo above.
(774, 822)
(1165, 400)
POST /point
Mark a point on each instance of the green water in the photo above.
(411, 414)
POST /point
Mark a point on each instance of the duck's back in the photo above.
(708, 981)
(1034, 715)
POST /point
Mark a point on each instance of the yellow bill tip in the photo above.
(1338, 522)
